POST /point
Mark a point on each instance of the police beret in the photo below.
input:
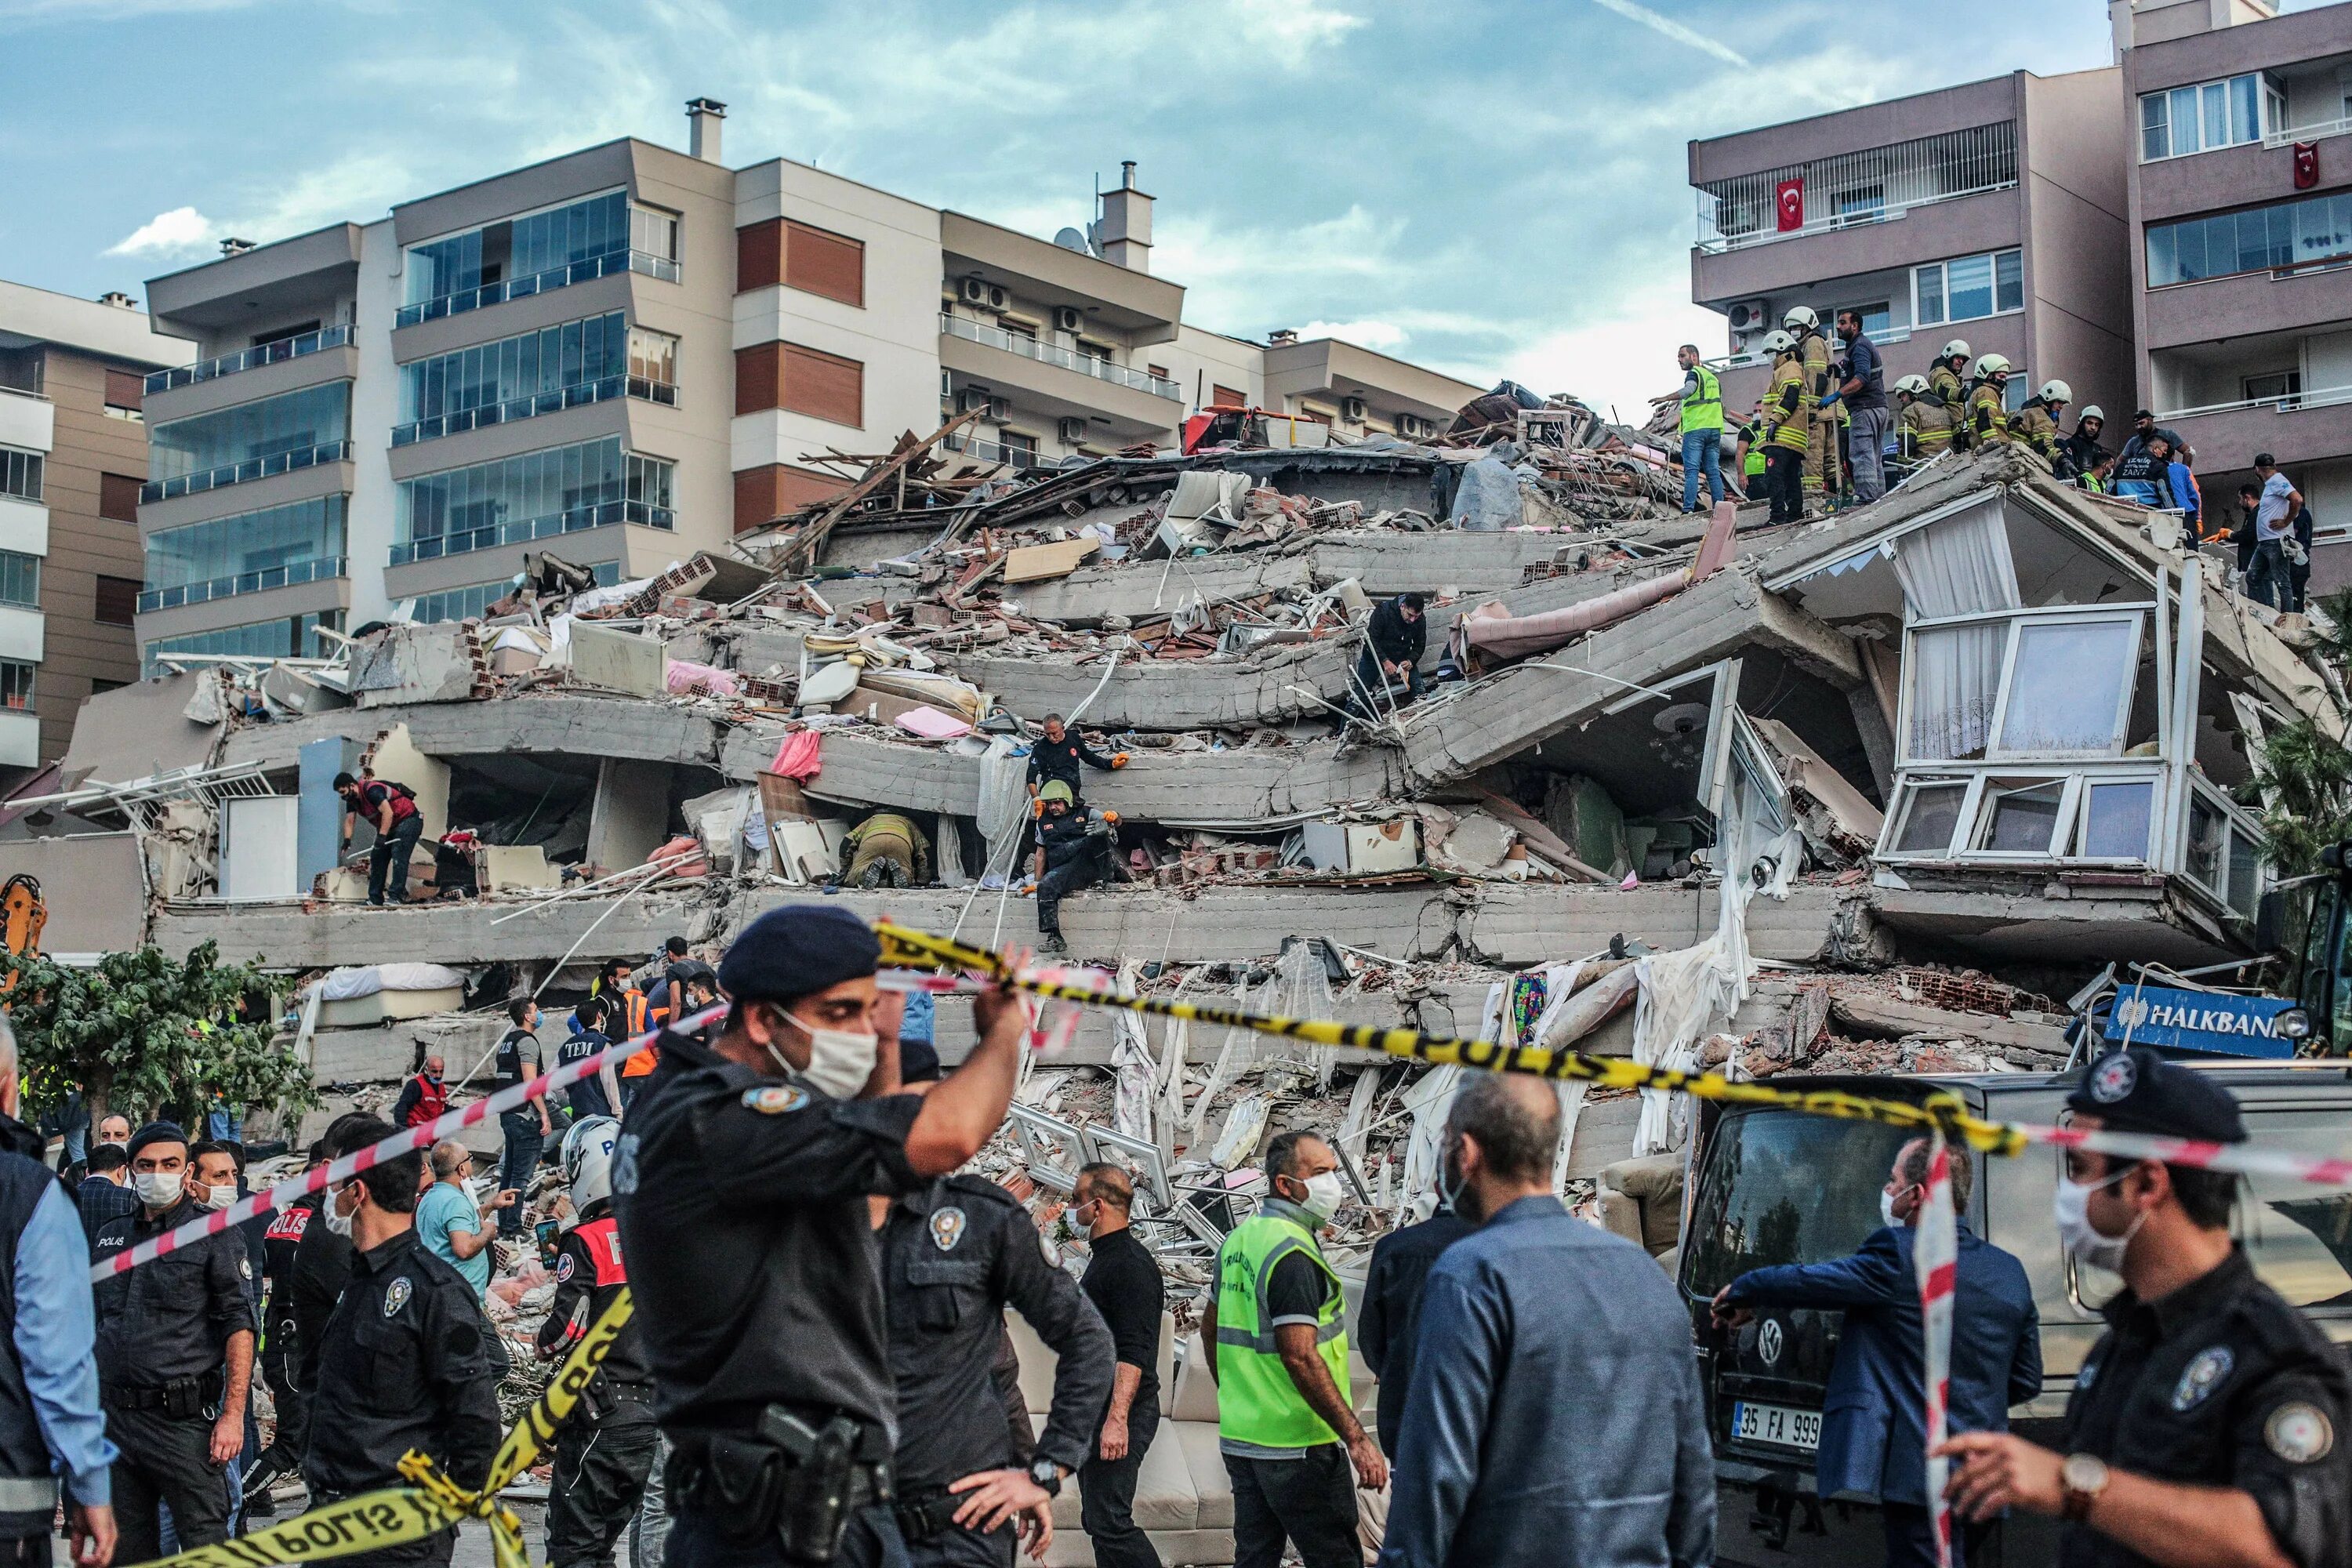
(155, 1132)
(797, 949)
(2138, 1090)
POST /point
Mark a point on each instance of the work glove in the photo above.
(1119, 759)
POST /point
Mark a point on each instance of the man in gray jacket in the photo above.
(1555, 1414)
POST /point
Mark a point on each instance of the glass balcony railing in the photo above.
(1028, 347)
(248, 359)
(522, 530)
(251, 468)
(585, 270)
(991, 451)
(530, 407)
(205, 593)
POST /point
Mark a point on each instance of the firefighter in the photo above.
(1948, 379)
(1987, 419)
(2037, 422)
(1784, 417)
(1818, 396)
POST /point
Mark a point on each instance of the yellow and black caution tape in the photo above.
(397, 1515)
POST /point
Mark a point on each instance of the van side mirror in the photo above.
(2270, 922)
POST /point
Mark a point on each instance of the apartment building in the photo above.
(1992, 212)
(631, 352)
(2241, 190)
(73, 452)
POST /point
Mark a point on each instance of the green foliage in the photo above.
(143, 1035)
(2306, 778)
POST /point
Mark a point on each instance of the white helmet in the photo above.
(2056, 391)
(2092, 413)
(1916, 385)
(1777, 342)
(1801, 318)
(588, 1158)
(1956, 349)
(1993, 364)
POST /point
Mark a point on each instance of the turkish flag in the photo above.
(1791, 196)
(2306, 165)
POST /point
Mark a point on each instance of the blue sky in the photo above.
(1488, 188)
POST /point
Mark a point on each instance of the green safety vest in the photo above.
(1258, 1404)
(1704, 411)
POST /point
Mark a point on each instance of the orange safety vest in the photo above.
(633, 1007)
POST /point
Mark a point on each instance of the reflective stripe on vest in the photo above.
(1704, 411)
(1258, 1404)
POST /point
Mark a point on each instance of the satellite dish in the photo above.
(1072, 239)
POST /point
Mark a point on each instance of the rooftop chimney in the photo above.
(237, 247)
(1281, 338)
(118, 300)
(702, 118)
(1127, 223)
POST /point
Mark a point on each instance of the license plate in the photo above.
(1776, 1424)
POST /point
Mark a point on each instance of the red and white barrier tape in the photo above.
(1936, 1259)
(2245, 1159)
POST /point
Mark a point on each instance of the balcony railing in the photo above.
(293, 572)
(530, 407)
(2279, 136)
(2283, 403)
(1028, 347)
(1758, 356)
(522, 530)
(251, 468)
(248, 359)
(1879, 184)
(586, 270)
(991, 451)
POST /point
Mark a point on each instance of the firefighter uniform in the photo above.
(1822, 465)
(1924, 430)
(1944, 386)
(1785, 455)
(1987, 417)
(2035, 429)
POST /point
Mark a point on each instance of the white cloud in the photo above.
(1622, 359)
(169, 234)
(1667, 26)
(1380, 337)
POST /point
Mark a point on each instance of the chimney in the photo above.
(1281, 338)
(702, 118)
(1127, 223)
(236, 246)
(118, 300)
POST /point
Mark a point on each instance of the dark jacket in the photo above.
(1392, 637)
(1873, 1428)
(1390, 1318)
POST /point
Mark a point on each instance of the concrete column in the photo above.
(630, 816)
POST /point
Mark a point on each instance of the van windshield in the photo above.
(1780, 1186)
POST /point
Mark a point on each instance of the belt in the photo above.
(932, 1514)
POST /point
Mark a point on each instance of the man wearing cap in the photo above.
(742, 1177)
(175, 1354)
(1070, 856)
(2208, 1424)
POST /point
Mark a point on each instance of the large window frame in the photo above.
(1983, 784)
(2208, 116)
(2020, 626)
(2278, 238)
(1941, 314)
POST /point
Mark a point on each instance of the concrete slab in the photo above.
(1389, 561)
(2086, 927)
(1521, 924)
(568, 723)
(1145, 589)
(284, 936)
(91, 884)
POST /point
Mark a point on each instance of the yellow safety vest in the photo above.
(1703, 410)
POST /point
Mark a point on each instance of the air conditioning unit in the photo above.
(1414, 427)
(972, 397)
(998, 298)
(1067, 319)
(1352, 410)
(1072, 431)
(975, 291)
(1000, 409)
(1746, 315)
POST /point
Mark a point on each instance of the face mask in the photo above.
(1451, 1182)
(218, 1197)
(338, 1222)
(2083, 1241)
(1324, 1194)
(839, 1061)
(157, 1189)
(1886, 1215)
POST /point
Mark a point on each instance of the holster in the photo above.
(784, 1478)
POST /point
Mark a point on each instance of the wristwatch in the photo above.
(1047, 1475)
(2085, 1477)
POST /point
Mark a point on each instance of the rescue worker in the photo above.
(2083, 447)
(627, 1015)
(955, 1253)
(2209, 1424)
(174, 1355)
(1749, 460)
(1387, 672)
(280, 1345)
(1701, 424)
(1073, 852)
(1821, 481)
(886, 850)
(423, 1098)
(526, 1127)
(604, 1449)
(390, 808)
(1785, 417)
(1923, 426)
(741, 1178)
(2037, 423)
(1058, 753)
(1987, 416)
(406, 1361)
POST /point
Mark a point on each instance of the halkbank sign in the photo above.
(2208, 1021)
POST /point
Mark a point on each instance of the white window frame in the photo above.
(1975, 814)
(1907, 788)
(1993, 750)
(1983, 780)
(2268, 110)
(1992, 258)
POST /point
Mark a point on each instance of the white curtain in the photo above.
(1957, 566)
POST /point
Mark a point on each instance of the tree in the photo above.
(140, 1030)
(2305, 780)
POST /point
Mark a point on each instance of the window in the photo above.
(654, 232)
(2200, 118)
(20, 474)
(1864, 204)
(2283, 387)
(1020, 450)
(20, 579)
(1968, 288)
(516, 377)
(118, 498)
(1226, 397)
(298, 421)
(15, 683)
(461, 604)
(291, 637)
(118, 600)
(2021, 816)
(536, 495)
(1877, 320)
(799, 381)
(2315, 230)
(524, 247)
(126, 390)
(2115, 825)
(1928, 820)
(652, 366)
(298, 543)
(803, 257)
(2069, 689)
(1157, 372)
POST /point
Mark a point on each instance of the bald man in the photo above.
(450, 1224)
(1123, 1282)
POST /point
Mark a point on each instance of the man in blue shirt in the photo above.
(1863, 392)
(451, 1225)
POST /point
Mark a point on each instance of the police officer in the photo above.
(955, 1254)
(2207, 1424)
(405, 1361)
(741, 1177)
(604, 1450)
(1056, 755)
(527, 1127)
(174, 1357)
(281, 1340)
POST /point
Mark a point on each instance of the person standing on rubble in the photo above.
(1947, 384)
(1987, 412)
(527, 1127)
(1923, 426)
(1702, 428)
(2082, 448)
(1863, 394)
(1395, 637)
(1071, 855)
(2037, 423)
(1276, 1335)
(390, 809)
(1543, 1337)
(1123, 1281)
(1055, 757)
(1818, 399)
(423, 1098)
(1785, 420)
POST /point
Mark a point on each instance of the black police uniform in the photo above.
(605, 1449)
(2221, 1382)
(742, 1199)
(954, 1255)
(519, 1062)
(405, 1363)
(1052, 759)
(163, 1330)
(1074, 856)
(281, 1340)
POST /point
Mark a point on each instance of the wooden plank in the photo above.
(1036, 563)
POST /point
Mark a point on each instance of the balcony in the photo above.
(1879, 184)
(523, 530)
(2301, 428)
(205, 593)
(28, 421)
(981, 451)
(249, 359)
(20, 738)
(240, 473)
(1028, 347)
(585, 270)
(575, 396)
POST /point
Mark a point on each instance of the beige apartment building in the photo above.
(631, 352)
(73, 452)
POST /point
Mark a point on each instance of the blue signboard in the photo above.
(2206, 1021)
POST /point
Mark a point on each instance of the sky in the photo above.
(1495, 189)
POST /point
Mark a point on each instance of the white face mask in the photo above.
(839, 1061)
(1886, 1215)
(1324, 1194)
(332, 1211)
(157, 1189)
(2083, 1241)
(218, 1196)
